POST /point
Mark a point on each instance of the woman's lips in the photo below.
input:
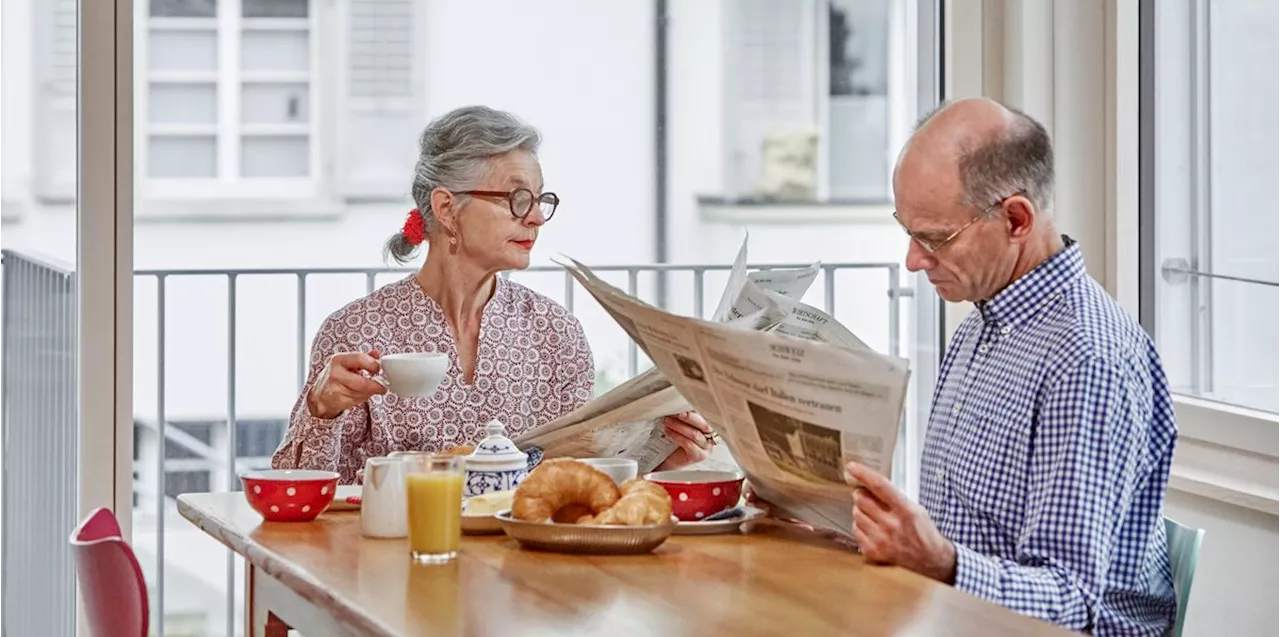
(526, 244)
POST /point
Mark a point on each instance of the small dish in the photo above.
(480, 525)
(718, 527)
(586, 539)
(346, 498)
(478, 512)
(289, 495)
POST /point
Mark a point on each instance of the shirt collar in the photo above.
(1024, 297)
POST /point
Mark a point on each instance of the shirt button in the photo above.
(983, 348)
(955, 410)
(1005, 330)
(939, 474)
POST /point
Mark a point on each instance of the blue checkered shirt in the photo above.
(1048, 453)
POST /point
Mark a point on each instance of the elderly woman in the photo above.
(515, 355)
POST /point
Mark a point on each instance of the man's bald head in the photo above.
(993, 150)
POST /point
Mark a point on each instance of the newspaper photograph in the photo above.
(791, 410)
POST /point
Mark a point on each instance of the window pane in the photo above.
(182, 103)
(274, 8)
(1243, 224)
(275, 51)
(274, 156)
(184, 8)
(175, 156)
(1216, 222)
(262, 103)
(182, 51)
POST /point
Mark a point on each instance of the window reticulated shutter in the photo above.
(384, 86)
(771, 80)
(55, 150)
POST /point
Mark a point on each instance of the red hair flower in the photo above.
(415, 228)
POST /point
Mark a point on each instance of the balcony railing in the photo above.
(227, 293)
(40, 438)
(274, 312)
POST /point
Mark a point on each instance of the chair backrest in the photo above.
(111, 581)
(1184, 551)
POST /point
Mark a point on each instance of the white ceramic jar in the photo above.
(496, 464)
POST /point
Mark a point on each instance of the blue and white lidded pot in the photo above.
(496, 464)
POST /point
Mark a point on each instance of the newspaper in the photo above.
(627, 421)
(791, 411)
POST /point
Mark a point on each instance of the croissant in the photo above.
(642, 502)
(563, 490)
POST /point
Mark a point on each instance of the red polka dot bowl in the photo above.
(289, 495)
(697, 494)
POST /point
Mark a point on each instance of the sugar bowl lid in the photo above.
(496, 448)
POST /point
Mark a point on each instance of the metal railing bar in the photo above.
(895, 317)
(633, 362)
(5, 321)
(829, 292)
(1223, 277)
(161, 444)
(231, 441)
(656, 267)
(568, 291)
(302, 330)
(698, 281)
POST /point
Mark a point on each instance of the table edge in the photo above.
(282, 570)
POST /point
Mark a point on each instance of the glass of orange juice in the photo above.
(433, 496)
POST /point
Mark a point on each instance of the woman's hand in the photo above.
(691, 432)
(344, 383)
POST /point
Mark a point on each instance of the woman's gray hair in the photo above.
(454, 153)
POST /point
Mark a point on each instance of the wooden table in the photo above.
(324, 578)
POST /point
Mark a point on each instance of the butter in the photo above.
(489, 503)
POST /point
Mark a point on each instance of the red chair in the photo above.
(111, 582)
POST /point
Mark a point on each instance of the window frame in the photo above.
(228, 129)
(1225, 452)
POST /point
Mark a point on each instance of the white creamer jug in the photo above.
(382, 506)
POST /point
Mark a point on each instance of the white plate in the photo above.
(340, 496)
(716, 527)
(481, 525)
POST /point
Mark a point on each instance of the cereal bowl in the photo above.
(289, 495)
(698, 494)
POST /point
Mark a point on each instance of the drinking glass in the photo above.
(433, 498)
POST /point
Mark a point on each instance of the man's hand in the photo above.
(892, 529)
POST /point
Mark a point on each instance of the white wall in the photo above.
(1235, 588)
(583, 74)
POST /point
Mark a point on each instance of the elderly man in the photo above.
(1052, 430)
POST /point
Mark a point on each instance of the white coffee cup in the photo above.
(620, 469)
(416, 374)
